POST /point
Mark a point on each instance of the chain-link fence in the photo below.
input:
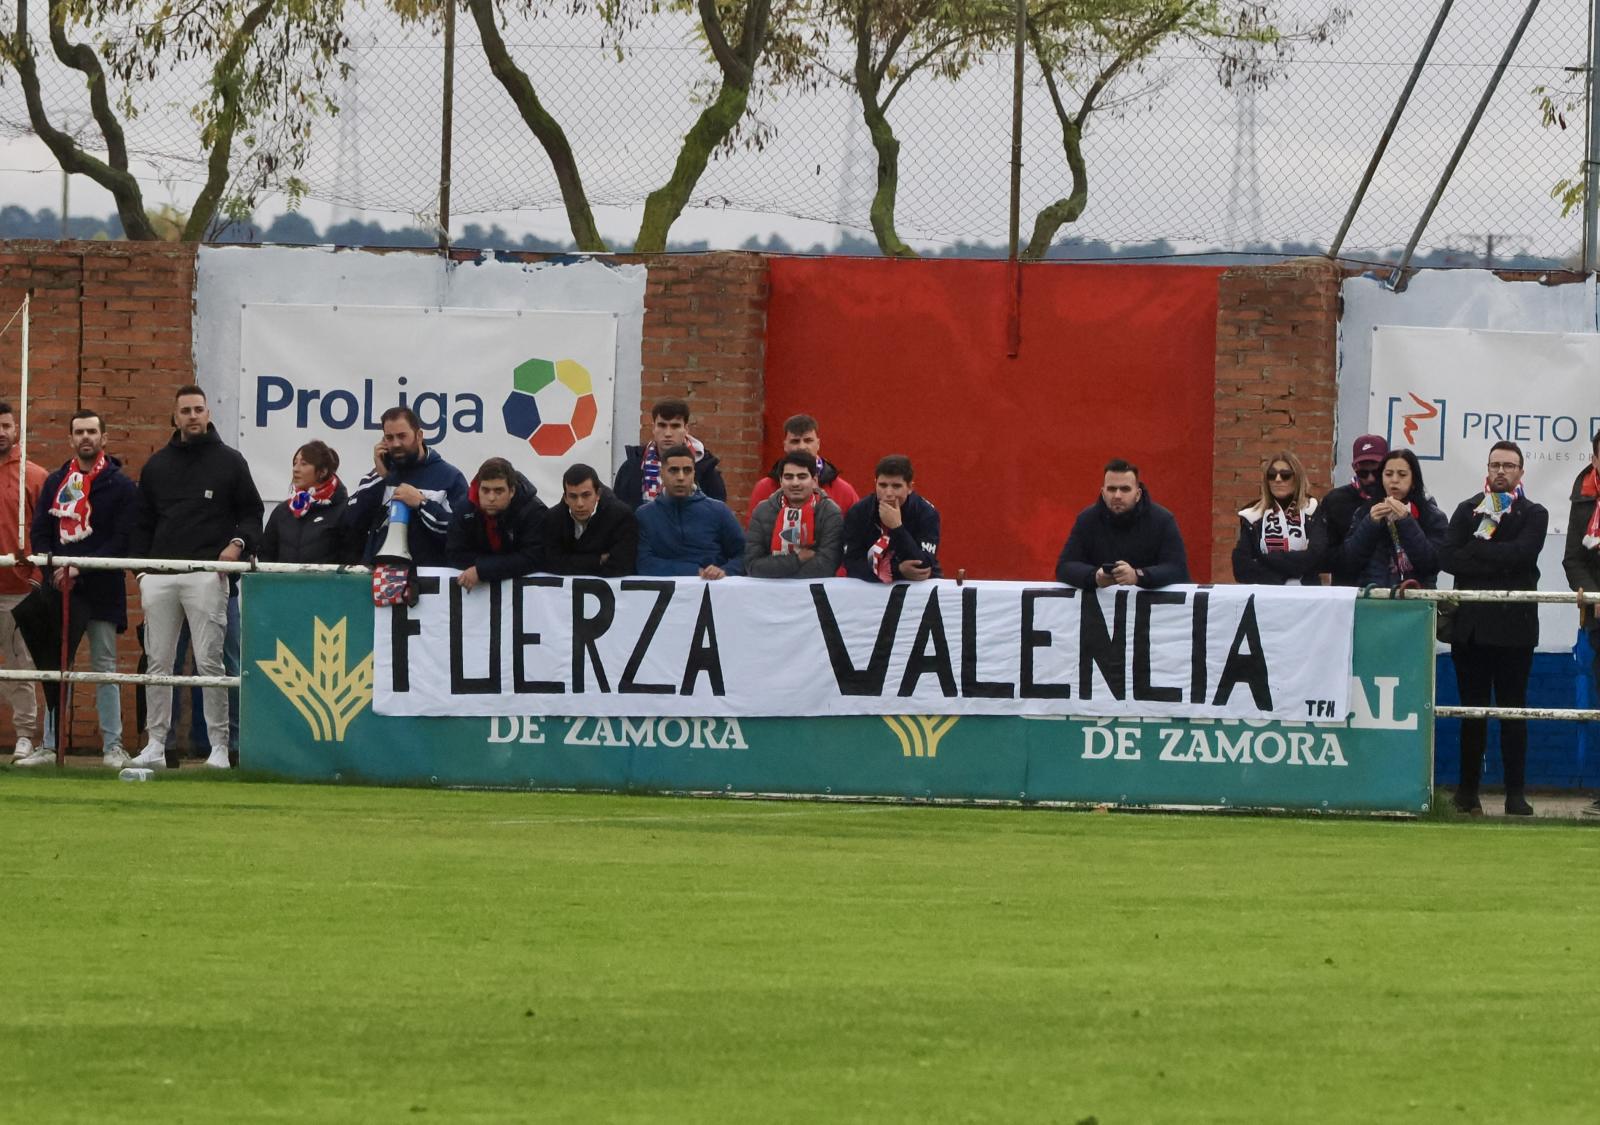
(1184, 161)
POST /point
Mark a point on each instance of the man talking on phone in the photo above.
(404, 469)
(1123, 538)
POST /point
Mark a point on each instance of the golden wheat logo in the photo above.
(329, 696)
(919, 735)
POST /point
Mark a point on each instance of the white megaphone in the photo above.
(397, 540)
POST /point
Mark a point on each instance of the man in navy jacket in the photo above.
(404, 469)
(500, 532)
(86, 508)
(894, 533)
(1123, 538)
(683, 532)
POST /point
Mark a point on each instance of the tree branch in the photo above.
(225, 79)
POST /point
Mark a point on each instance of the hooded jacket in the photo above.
(915, 540)
(520, 528)
(1146, 537)
(1255, 566)
(311, 538)
(17, 579)
(194, 498)
(838, 489)
(629, 485)
(760, 562)
(612, 531)
(367, 513)
(1369, 551)
(679, 537)
(1581, 564)
(1508, 561)
(113, 503)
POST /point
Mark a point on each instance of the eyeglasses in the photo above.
(1503, 466)
(1280, 474)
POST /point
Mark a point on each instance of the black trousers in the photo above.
(1494, 674)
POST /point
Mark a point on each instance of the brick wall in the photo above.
(704, 341)
(110, 330)
(1277, 384)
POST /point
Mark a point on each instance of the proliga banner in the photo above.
(545, 645)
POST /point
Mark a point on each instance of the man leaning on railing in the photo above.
(1581, 560)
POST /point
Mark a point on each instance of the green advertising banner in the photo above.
(306, 707)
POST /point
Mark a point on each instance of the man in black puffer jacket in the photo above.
(500, 532)
(196, 501)
(1123, 538)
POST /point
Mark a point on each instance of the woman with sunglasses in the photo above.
(1282, 538)
(1399, 537)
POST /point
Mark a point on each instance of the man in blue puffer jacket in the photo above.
(404, 469)
(685, 533)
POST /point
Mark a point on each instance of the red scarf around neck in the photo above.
(794, 527)
(302, 500)
(71, 505)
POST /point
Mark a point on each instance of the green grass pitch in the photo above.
(205, 951)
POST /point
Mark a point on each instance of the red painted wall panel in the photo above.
(910, 357)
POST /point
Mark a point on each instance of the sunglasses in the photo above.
(1280, 474)
(1363, 473)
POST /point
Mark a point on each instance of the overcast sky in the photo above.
(1168, 165)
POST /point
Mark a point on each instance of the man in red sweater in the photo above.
(800, 436)
(16, 582)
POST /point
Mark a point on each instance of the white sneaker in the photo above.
(219, 760)
(152, 757)
(115, 758)
(24, 749)
(40, 757)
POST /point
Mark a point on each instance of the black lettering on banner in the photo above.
(930, 628)
(853, 680)
(1099, 649)
(1143, 602)
(460, 682)
(1197, 648)
(703, 654)
(971, 686)
(1251, 666)
(663, 592)
(521, 639)
(587, 630)
(401, 629)
(1036, 639)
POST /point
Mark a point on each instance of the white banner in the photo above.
(533, 387)
(1448, 394)
(545, 645)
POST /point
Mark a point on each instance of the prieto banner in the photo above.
(533, 387)
(549, 645)
(1448, 394)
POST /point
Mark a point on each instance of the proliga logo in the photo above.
(1417, 424)
(551, 405)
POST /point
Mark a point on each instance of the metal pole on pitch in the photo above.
(447, 120)
(1591, 165)
(1396, 279)
(1388, 130)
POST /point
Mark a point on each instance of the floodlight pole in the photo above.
(1397, 279)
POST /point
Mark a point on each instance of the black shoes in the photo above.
(1467, 804)
(1516, 805)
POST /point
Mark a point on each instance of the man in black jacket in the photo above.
(590, 531)
(1342, 505)
(500, 532)
(86, 508)
(894, 533)
(1123, 538)
(196, 501)
(1493, 544)
(639, 479)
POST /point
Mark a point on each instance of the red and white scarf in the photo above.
(71, 505)
(1283, 529)
(650, 465)
(302, 500)
(1591, 491)
(795, 527)
(880, 558)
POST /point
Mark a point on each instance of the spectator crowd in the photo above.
(665, 514)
